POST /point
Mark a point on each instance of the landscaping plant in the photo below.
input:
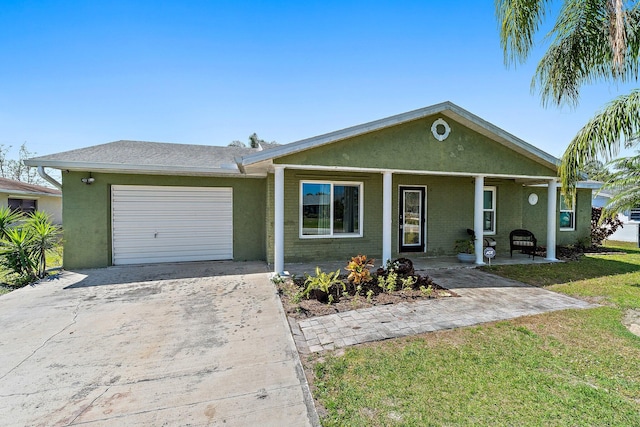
(359, 269)
(320, 284)
(7, 219)
(25, 243)
(602, 227)
(329, 288)
(45, 238)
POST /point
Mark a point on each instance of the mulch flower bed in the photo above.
(574, 252)
(396, 282)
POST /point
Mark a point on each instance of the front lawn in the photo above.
(575, 367)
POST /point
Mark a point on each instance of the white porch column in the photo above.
(478, 207)
(551, 219)
(386, 216)
(278, 221)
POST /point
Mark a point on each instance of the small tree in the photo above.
(602, 227)
(16, 169)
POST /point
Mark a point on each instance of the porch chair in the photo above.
(524, 241)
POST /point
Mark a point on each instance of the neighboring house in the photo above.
(409, 184)
(28, 198)
(630, 219)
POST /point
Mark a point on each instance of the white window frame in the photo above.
(331, 235)
(494, 191)
(573, 213)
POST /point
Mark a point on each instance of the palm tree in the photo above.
(623, 183)
(591, 41)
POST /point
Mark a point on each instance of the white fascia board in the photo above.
(447, 109)
(415, 172)
(29, 194)
(581, 185)
(139, 169)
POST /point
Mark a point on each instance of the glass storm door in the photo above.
(412, 219)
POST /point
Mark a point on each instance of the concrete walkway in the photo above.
(174, 344)
(483, 298)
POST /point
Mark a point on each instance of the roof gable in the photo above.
(446, 110)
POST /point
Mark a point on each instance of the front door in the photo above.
(412, 219)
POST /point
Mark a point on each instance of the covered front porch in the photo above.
(388, 212)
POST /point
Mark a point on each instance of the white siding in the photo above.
(152, 224)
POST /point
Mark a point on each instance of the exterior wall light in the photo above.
(89, 180)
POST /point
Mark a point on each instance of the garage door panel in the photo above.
(170, 224)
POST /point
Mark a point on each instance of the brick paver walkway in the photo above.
(483, 298)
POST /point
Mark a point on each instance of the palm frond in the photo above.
(618, 124)
(583, 51)
(519, 21)
(623, 184)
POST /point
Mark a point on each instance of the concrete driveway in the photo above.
(175, 344)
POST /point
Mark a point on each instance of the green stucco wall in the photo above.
(411, 146)
(299, 250)
(449, 212)
(535, 217)
(87, 214)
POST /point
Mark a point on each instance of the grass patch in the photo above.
(573, 367)
(613, 278)
(7, 279)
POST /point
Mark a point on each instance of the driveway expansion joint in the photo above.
(45, 342)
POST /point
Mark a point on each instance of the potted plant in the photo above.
(466, 250)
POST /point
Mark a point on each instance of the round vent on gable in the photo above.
(440, 129)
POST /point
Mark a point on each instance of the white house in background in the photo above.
(630, 219)
(29, 198)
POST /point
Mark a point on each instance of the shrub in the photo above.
(25, 243)
(602, 227)
(8, 218)
(17, 253)
(45, 237)
(321, 284)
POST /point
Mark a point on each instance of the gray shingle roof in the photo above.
(11, 186)
(146, 156)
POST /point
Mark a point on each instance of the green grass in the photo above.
(574, 367)
(54, 260)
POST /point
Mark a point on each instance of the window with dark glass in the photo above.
(330, 209)
(489, 210)
(567, 215)
(23, 205)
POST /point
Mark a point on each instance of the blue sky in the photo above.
(81, 73)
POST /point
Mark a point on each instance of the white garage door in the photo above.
(152, 224)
